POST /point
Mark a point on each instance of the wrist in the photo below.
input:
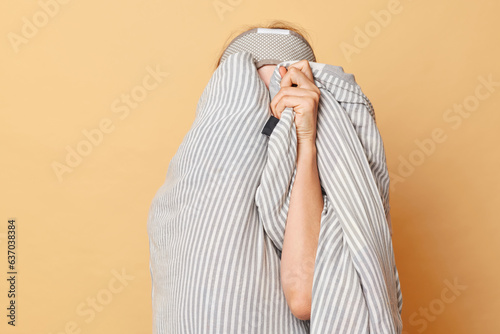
(309, 140)
(306, 149)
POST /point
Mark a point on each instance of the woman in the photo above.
(235, 248)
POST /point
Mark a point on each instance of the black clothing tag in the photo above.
(269, 127)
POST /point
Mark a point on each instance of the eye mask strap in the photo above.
(270, 46)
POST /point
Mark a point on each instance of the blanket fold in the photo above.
(216, 225)
(355, 247)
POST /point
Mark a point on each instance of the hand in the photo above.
(304, 98)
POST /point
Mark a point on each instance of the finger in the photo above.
(304, 67)
(291, 101)
(282, 70)
(295, 76)
(290, 91)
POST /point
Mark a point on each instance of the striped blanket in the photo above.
(216, 225)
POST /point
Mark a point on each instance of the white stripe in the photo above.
(273, 31)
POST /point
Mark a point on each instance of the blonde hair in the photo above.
(276, 24)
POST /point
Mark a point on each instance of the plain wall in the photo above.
(67, 68)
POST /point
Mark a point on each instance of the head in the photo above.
(265, 67)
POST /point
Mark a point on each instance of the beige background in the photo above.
(78, 230)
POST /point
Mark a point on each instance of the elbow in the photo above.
(301, 307)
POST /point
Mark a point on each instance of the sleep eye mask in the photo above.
(270, 46)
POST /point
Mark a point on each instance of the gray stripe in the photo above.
(216, 225)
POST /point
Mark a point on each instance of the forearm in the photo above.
(302, 233)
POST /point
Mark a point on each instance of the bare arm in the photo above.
(303, 223)
(302, 233)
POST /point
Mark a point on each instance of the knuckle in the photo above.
(314, 95)
(312, 102)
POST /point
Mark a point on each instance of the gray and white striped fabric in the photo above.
(216, 225)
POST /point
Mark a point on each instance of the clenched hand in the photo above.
(304, 99)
